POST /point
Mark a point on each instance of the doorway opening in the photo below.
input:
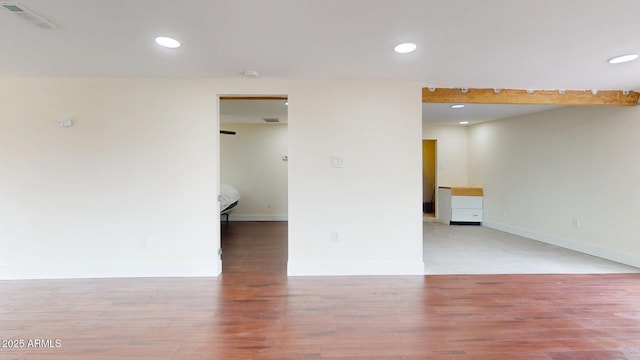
(254, 163)
(429, 149)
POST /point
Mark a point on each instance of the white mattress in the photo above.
(228, 195)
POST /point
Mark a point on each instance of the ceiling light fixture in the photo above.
(251, 74)
(623, 59)
(463, 122)
(405, 48)
(457, 106)
(167, 42)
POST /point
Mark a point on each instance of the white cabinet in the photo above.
(458, 205)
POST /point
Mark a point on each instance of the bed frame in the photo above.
(227, 210)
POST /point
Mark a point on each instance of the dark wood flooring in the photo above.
(253, 311)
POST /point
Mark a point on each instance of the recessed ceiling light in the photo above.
(463, 122)
(623, 59)
(167, 42)
(405, 48)
(251, 73)
(457, 106)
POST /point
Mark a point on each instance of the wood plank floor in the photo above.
(253, 311)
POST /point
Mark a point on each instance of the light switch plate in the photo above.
(337, 161)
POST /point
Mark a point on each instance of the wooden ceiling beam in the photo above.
(530, 97)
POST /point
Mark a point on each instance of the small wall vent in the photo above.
(271, 120)
(27, 15)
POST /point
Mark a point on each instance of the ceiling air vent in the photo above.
(271, 120)
(27, 15)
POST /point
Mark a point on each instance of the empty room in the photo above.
(116, 151)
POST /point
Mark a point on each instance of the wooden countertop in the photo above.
(464, 191)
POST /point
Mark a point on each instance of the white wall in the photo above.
(374, 201)
(140, 167)
(252, 162)
(129, 190)
(451, 153)
(541, 171)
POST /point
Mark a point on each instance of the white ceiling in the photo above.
(443, 114)
(520, 44)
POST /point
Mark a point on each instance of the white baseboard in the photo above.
(108, 271)
(567, 244)
(256, 217)
(354, 268)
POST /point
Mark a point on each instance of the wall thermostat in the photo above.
(65, 122)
